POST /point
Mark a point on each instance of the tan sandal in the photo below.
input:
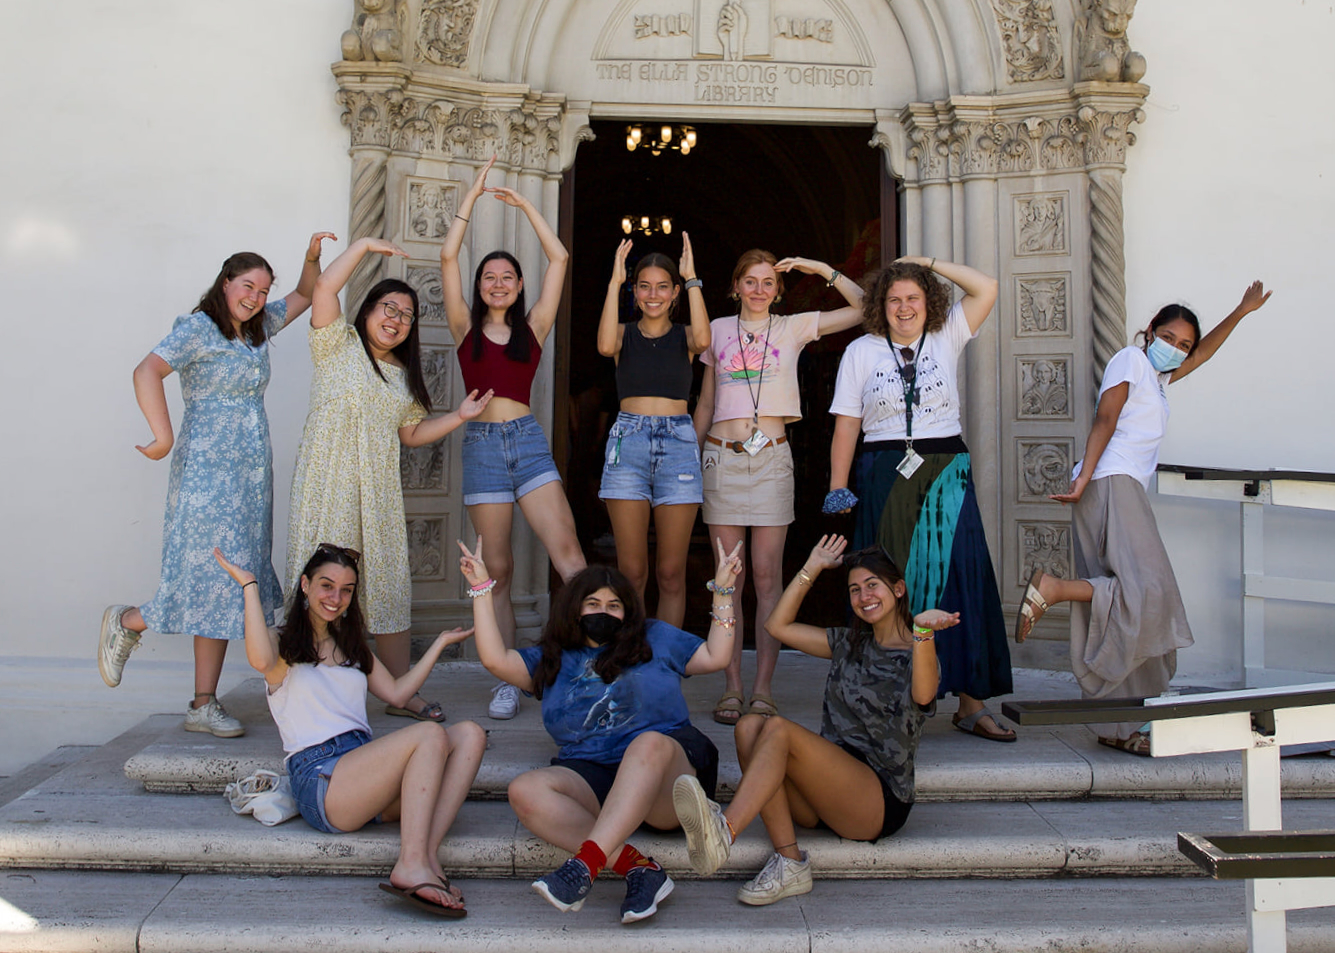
(728, 709)
(1031, 608)
(1138, 743)
(762, 704)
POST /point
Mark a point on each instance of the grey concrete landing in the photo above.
(1046, 763)
(60, 911)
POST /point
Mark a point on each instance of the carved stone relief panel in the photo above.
(1041, 305)
(1030, 39)
(425, 280)
(1044, 468)
(426, 554)
(444, 30)
(1044, 545)
(422, 469)
(430, 209)
(1040, 224)
(438, 368)
(1045, 388)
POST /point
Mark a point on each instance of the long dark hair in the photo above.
(628, 647)
(875, 560)
(408, 351)
(296, 637)
(935, 291)
(214, 301)
(656, 259)
(1173, 312)
(516, 316)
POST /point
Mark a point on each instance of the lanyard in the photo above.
(910, 383)
(741, 350)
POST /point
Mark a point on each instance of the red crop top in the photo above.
(497, 372)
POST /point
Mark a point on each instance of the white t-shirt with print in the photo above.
(1134, 446)
(869, 385)
(760, 366)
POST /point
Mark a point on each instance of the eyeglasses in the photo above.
(330, 549)
(396, 313)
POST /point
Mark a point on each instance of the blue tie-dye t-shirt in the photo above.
(592, 721)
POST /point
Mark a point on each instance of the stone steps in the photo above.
(68, 911)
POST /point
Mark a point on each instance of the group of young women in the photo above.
(609, 678)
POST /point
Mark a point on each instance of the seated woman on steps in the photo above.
(317, 669)
(610, 685)
(856, 776)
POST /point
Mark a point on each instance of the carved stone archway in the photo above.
(1007, 122)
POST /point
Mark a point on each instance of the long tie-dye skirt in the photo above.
(930, 525)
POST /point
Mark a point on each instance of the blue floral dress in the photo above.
(221, 488)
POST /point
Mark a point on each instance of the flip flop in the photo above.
(762, 704)
(1138, 743)
(728, 710)
(430, 906)
(1031, 608)
(430, 711)
(971, 724)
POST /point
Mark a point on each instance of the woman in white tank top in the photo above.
(317, 668)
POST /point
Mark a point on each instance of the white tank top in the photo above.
(317, 702)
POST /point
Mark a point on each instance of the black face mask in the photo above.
(599, 627)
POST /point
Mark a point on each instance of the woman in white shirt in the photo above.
(1128, 621)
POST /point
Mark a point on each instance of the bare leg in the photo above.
(209, 656)
(673, 524)
(642, 791)
(792, 774)
(767, 567)
(493, 522)
(1054, 590)
(548, 512)
(133, 620)
(556, 804)
(630, 527)
(730, 537)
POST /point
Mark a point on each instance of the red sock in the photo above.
(593, 857)
(630, 858)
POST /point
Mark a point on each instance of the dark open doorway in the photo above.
(816, 191)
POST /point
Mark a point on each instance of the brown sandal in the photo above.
(1138, 743)
(1032, 608)
(728, 709)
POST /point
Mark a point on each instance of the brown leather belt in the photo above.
(739, 446)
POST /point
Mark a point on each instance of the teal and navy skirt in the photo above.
(930, 526)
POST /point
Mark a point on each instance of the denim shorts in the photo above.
(310, 770)
(652, 458)
(505, 461)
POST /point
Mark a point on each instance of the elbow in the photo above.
(560, 255)
(606, 350)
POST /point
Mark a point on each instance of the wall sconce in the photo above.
(676, 138)
(646, 224)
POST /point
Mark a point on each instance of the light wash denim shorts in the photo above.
(310, 770)
(652, 458)
(505, 461)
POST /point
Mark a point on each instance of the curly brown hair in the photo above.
(878, 286)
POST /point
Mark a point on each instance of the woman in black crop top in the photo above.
(652, 462)
(506, 459)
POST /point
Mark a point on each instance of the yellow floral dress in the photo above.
(346, 489)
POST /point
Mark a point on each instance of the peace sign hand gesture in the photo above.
(471, 564)
(729, 565)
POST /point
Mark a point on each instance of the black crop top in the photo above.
(654, 367)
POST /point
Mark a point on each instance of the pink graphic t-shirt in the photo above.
(755, 365)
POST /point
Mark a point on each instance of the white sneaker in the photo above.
(213, 719)
(114, 645)
(781, 877)
(708, 836)
(504, 702)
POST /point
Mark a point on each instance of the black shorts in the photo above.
(896, 811)
(700, 752)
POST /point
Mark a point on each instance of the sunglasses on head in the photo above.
(331, 549)
(908, 371)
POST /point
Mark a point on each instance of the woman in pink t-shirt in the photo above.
(748, 397)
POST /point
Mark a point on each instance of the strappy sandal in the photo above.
(1031, 608)
(762, 704)
(972, 725)
(430, 711)
(1138, 743)
(728, 709)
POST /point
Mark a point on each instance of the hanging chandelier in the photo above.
(669, 136)
(646, 224)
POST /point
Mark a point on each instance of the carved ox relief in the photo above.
(1041, 305)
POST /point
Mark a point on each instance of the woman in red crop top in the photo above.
(506, 459)
(652, 463)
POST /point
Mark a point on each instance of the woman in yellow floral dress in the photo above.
(368, 396)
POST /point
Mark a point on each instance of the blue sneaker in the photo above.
(566, 887)
(646, 887)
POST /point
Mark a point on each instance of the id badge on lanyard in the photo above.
(909, 465)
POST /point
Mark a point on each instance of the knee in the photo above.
(746, 731)
(525, 794)
(650, 747)
(502, 567)
(767, 578)
(671, 578)
(431, 737)
(775, 728)
(635, 569)
(469, 737)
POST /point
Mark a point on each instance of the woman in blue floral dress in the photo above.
(221, 487)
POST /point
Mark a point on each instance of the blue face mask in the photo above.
(1163, 356)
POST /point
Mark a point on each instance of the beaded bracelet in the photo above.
(481, 589)
(835, 275)
(927, 636)
(718, 590)
(726, 623)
